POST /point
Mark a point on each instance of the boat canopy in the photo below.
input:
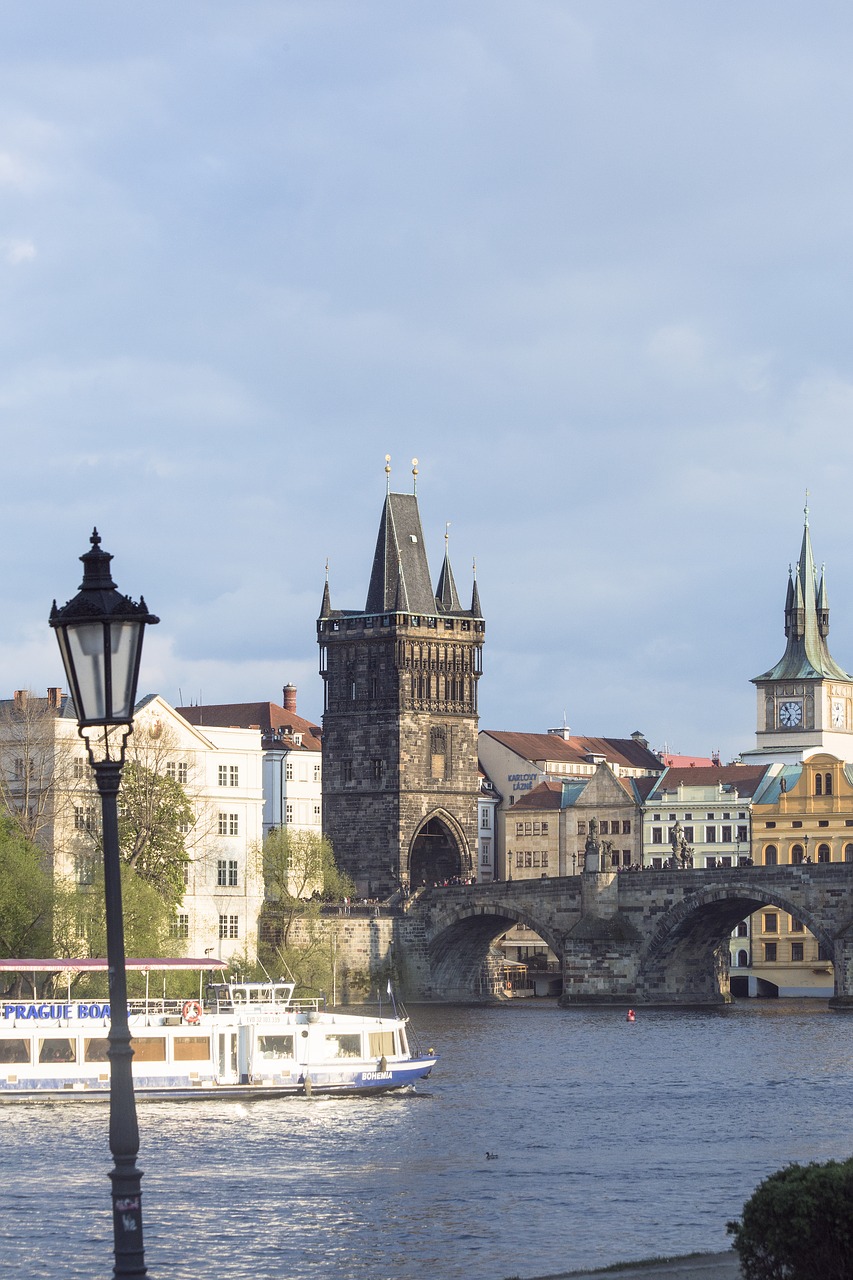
(101, 966)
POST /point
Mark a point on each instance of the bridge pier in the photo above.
(842, 956)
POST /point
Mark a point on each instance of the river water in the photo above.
(608, 1141)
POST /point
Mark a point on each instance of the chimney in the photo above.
(21, 696)
(54, 698)
(288, 694)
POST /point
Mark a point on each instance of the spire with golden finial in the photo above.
(415, 475)
(387, 473)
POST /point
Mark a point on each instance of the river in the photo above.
(545, 1140)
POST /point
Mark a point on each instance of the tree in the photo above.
(26, 896)
(154, 816)
(300, 874)
(799, 1223)
(41, 762)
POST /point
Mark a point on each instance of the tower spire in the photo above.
(445, 592)
(326, 606)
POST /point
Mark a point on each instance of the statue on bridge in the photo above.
(682, 853)
(592, 848)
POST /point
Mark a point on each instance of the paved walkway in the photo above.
(703, 1266)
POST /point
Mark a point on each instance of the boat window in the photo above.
(344, 1046)
(57, 1049)
(14, 1050)
(95, 1050)
(192, 1048)
(275, 1046)
(149, 1048)
(381, 1044)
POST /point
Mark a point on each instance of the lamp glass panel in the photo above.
(124, 643)
(85, 651)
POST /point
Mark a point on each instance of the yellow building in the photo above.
(804, 813)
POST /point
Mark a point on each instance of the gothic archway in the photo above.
(436, 855)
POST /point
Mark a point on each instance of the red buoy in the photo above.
(631, 1016)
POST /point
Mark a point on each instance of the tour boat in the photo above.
(242, 1040)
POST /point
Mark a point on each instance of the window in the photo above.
(626, 826)
(536, 858)
(223, 775)
(347, 771)
(848, 853)
(486, 853)
(770, 824)
(688, 834)
(316, 773)
(656, 817)
(626, 857)
(288, 770)
(796, 925)
(796, 824)
(726, 817)
(770, 952)
(742, 930)
(180, 926)
(818, 785)
(709, 815)
(229, 824)
(377, 768)
(823, 853)
(177, 770)
(233, 775)
(544, 857)
(528, 828)
(537, 829)
(485, 820)
(316, 813)
(85, 871)
(797, 854)
(79, 767)
(226, 873)
(519, 859)
(229, 926)
(544, 828)
(796, 950)
(84, 818)
(727, 835)
(742, 835)
(822, 952)
(657, 835)
(288, 813)
(519, 828)
(771, 922)
(581, 828)
(605, 827)
(710, 835)
(528, 858)
(688, 817)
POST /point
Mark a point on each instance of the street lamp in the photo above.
(100, 638)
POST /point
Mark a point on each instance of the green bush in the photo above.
(798, 1224)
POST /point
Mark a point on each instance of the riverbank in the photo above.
(696, 1266)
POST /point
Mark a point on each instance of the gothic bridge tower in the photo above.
(805, 701)
(400, 775)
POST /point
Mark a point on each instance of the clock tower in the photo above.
(805, 702)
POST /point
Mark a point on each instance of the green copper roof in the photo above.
(807, 655)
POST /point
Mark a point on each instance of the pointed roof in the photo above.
(806, 655)
(400, 555)
(445, 592)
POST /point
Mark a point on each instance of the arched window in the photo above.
(823, 853)
(770, 856)
(827, 785)
(743, 929)
(818, 785)
(797, 854)
(848, 853)
(742, 960)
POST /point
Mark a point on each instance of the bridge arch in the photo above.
(459, 950)
(438, 851)
(686, 956)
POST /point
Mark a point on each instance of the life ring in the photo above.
(191, 1011)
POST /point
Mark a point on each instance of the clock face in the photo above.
(790, 714)
(838, 717)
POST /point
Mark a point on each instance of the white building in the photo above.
(292, 770)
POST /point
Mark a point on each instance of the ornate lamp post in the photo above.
(100, 638)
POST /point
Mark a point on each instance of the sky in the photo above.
(590, 263)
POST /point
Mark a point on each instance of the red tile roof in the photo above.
(745, 777)
(269, 717)
(547, 795)
(575, 750)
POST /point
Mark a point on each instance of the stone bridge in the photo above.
(651, 937)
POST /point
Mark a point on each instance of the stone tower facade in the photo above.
(400, 772)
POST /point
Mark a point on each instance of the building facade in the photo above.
(400, 767)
